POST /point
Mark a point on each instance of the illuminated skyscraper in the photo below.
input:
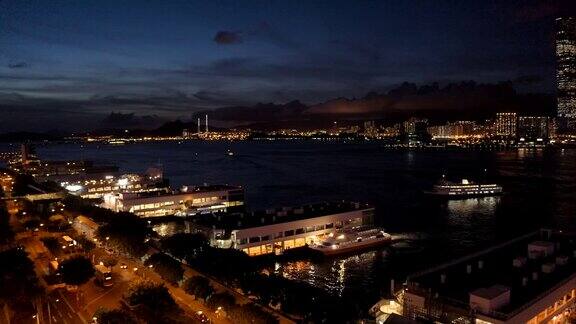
(566, 73)
(533, 128)
(505, 125)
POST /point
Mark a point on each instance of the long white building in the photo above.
(278, 230)
(188, 200)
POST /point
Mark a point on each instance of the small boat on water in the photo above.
(351, 241)
(464, 189)
(229, 153)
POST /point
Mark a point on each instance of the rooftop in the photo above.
(231, 221)
(185, 191)
(506, 265)
(208, 188)
(490, 292)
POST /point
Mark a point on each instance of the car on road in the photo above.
(199, 315)
(123, 266)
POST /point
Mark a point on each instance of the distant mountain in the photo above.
(467, 99)
(261, 112)
(30, 137)
(455, 100)
(130, 120)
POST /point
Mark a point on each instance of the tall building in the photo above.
(533, 128)
(452, 130)
(566, 70)
(370, 129)
(505, 125)
(415, 131)
(25, 153)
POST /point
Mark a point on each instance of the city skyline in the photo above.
(288, 162)
(73, 72)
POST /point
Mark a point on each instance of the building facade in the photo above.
(533, 129)
(278, 230)
(187, 201)
(566, 70)
(505, 125)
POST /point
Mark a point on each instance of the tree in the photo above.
(155, 299)
(76, 270)
(217, 262)
(126, 233)
(6, 233)
(17, 276)
(32, 223)
(22, 183)
(185, 245)
(198, 286)
(86, 243)
(114, 316)
(110, 262)
(250, 314)
(168, 268)
(222, 299)
(52, 244)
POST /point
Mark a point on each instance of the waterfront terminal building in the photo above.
(531, 279)
(281, 229)
(95, 187)
(190, 200)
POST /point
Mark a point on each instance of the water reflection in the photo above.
(486, 205)
(334, 275)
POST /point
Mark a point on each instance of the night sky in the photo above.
(67, 64)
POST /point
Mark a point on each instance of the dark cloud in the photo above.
(528, 79)
(131, 120)
(226, 37)
(206, 95)
(466, 99)
(531, 12)
(268, 32)
(18, 65)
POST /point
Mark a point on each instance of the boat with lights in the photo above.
(352, 240)
(464, 189)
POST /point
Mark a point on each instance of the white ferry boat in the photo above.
(351, 240)
(464, 189)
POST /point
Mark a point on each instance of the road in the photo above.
(135, 270)
(55, 308)
(61, 306)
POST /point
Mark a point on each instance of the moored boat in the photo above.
(351, 241)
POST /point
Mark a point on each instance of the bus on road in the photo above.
(103, 275)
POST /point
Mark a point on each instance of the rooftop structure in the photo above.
(530, 279)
